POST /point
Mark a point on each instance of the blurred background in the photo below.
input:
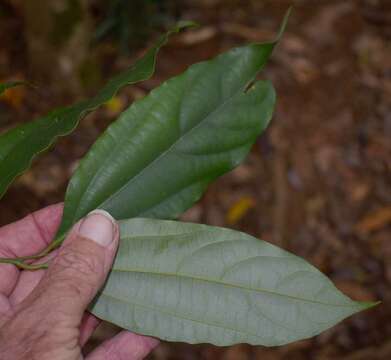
(317, 182)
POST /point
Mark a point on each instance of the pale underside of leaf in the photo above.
(21, 144)
(201, 284)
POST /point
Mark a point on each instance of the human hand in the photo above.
(42, 313)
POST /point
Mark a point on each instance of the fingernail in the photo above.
(99, 227)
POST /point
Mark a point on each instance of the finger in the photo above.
(78, 271)
(26, 237)
(28, 280)
(5, 307)
(125, 345)
(30, 234)
(87, 327)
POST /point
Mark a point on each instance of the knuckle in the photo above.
(78, 270)
(26, 336)
(18, 330)
(78, 262)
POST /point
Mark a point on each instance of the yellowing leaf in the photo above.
(239, 209)
(10, 84)
(13, 96)
(374, 221)
(114, 105)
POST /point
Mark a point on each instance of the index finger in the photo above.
(26, 237)
(30, 234)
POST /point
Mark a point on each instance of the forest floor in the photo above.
(317, 182)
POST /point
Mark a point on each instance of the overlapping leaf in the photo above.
(197, 284)
(19, 145)
(159, 156)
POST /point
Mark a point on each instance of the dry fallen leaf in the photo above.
(14, 96)
(239, 209)
(374, 221)
(114, 105)
(197, 36)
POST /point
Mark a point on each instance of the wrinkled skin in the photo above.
(42, 313)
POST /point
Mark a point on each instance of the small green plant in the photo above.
(172, 280)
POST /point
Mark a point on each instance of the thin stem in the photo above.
(21, 262)
(52, 246)
(22, 265)
(22, 259)
(32, 267)
(10, 261)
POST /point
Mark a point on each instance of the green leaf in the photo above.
(21, 144)
(10, 84)
(201, 284)
(158, 157)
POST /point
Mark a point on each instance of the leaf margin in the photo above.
(110, 89)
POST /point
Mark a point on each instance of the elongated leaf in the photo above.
(19, 145)
(158, 157)
(203, 284)
(10, 84)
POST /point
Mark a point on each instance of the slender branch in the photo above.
(52, 246)
(32, 267)
(22, 265)
(20, 262)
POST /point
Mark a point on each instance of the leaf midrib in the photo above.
(218, 282)
(161, 155)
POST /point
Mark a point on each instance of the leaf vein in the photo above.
(219, 282)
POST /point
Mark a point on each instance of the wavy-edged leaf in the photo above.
(158, 157)
(9, 85)
(202, 284)
(21, 144)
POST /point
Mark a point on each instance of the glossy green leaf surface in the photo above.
(158, 157)
(201, 284)
(10, 84)
(21, 144)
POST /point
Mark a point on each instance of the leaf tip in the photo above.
(284, 24)
(184, 24)
(365, 305)
(359, 306)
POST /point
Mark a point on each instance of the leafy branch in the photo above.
(178, 281)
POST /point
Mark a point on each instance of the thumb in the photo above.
(81, 266)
